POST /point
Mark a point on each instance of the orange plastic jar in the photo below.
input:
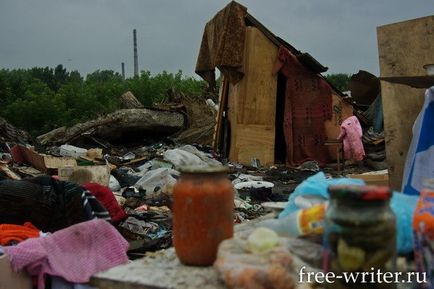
(203, 214)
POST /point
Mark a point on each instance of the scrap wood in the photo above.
(135, 161)
(223, 99)
(200, 118)
(8, 172)
(41, 162)
(28, 171)
(128, 100)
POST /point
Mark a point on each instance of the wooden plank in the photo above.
(413, 81)
(233, 96)
(259, 89)
(403, 50)
(8, 172)
(255, 142)
(252, 102)
(341, 110)
(223, 99)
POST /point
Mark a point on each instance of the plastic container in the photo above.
(360, 233)
(72, 151)
(303, 222)
(203, 213)
(423, 226)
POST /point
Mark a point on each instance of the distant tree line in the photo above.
(41, 99)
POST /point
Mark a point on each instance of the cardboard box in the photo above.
(373, 178)
(83, 174)
(42, 162)
(10, 279)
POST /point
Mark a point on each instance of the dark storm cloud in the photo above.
(97, 34)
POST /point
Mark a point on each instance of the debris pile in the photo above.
(123, 166)
(366, 98)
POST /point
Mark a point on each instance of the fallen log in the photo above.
(124, 123)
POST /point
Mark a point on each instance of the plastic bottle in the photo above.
(303, 222)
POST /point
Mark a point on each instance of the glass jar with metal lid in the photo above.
(360, 235)
(203, 213)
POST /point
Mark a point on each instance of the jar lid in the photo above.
(364, 193)
(203, 169)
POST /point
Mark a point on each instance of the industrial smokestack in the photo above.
(136, 62)
(123, 70)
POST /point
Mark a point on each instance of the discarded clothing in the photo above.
(143, 229)
(372, 137)
(308, 104)
(93, 208)
(108, 200)
(351, 134)
(74, 253)
(11, 234)
(22, 201)
(47, 203)
(223, 45)
(419, 165)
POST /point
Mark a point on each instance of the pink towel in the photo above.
(74, 253)
(351, 134)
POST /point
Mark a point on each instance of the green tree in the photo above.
(39, 111)
(339, 80)
(40, 99)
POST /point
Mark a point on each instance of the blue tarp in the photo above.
(419, 165)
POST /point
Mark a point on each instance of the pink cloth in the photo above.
(351, 134)
(74, 253)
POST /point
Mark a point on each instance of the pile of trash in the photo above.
(375, 148)
(133, 187)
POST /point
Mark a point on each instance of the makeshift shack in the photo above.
(275, 106)
(403, 48)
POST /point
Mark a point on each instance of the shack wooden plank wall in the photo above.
(252, 103)
(340, 111)
(403, 48)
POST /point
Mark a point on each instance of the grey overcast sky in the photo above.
(87, 35)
